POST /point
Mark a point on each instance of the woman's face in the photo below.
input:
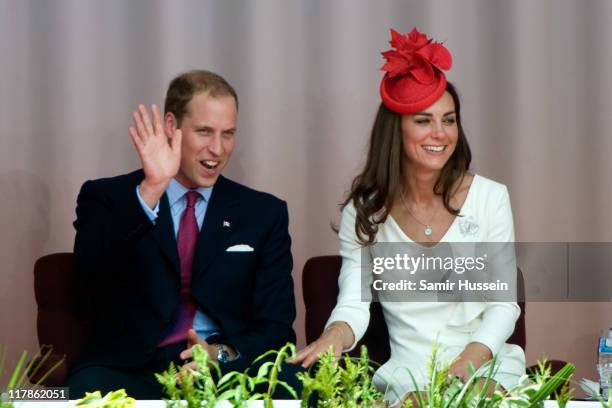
(430, 136)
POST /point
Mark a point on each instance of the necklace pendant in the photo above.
(427, 231)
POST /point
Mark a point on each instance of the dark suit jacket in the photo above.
(131, 268)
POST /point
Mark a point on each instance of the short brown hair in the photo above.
(183, 88)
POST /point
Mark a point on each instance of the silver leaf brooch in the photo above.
(468, 226)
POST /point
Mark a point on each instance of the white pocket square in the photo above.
(240, 248)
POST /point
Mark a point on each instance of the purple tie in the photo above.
(186, 242)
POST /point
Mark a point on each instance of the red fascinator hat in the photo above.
(414, 79)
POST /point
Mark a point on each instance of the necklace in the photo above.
(427, 231)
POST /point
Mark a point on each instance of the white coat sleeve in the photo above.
(350, 308)
(498, 318)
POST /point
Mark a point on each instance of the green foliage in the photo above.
(564, 395)
(270, 370)
(445, 392)
(344, 384)
(22, 371)
(196, 387)
(544, 383)
(607, 404)
(114, 399)
(199, 389)
(348, 384)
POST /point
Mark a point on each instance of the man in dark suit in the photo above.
(175, 254)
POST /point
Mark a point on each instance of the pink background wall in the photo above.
(534, 78)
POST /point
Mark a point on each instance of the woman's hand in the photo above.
(338, 335)
(475, 353)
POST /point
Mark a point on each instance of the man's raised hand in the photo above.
(160, 155)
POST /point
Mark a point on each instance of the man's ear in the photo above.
(170, 124)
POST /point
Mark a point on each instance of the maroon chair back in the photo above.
(519, 336)
(320, 290)
(60, 322)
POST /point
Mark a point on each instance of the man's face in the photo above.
(208, 139)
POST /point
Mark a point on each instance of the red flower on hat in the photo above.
(417, 55)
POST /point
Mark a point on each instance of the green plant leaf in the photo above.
(12, 383)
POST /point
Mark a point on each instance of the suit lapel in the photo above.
(216, 227)
(164, 233)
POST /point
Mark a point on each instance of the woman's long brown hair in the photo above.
(375, 188)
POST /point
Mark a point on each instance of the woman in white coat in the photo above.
(416, 187)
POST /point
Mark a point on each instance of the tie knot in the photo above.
(192, 197)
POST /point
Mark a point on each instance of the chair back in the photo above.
(320, 290)
(519, 336)
(61, 322)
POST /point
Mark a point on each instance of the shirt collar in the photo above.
(176, 191)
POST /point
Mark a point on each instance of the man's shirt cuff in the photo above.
(151, 213)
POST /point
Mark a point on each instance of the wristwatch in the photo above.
(223, 355)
